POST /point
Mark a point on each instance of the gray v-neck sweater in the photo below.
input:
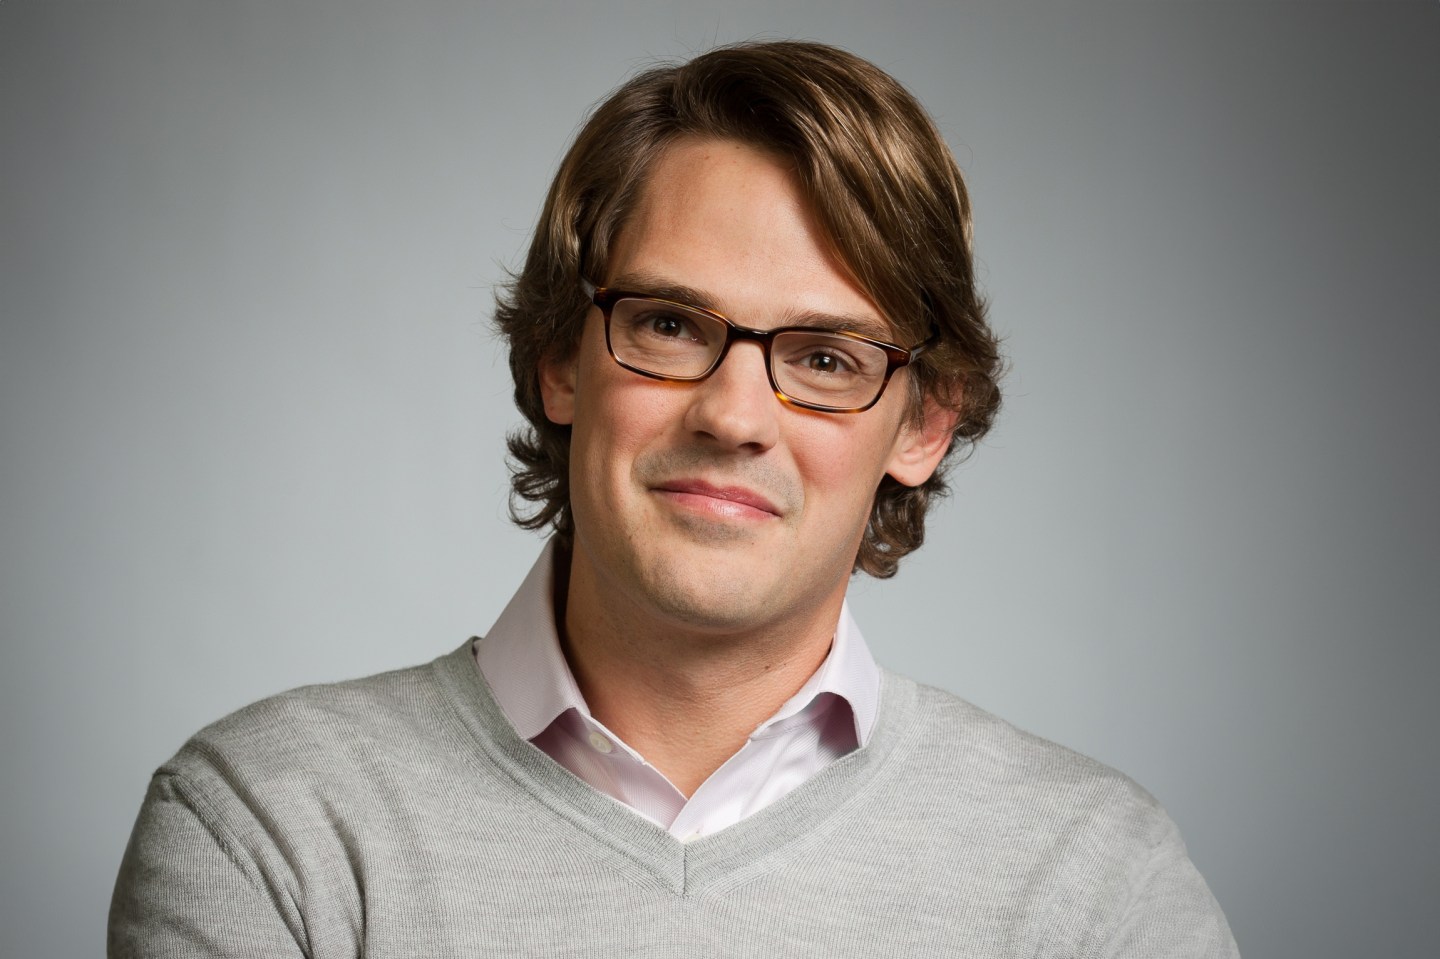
(400, 815)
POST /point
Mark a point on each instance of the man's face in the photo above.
(711, 505)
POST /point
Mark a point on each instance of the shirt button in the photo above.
(600, 743)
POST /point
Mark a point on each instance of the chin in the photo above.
(716, 603)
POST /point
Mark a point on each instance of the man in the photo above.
(747, 338)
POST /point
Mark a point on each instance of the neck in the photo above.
(685, 697)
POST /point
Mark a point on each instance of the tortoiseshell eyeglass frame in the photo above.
(896, 356)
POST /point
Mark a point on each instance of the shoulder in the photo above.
(275, 802)
(999, 770)
(1071, 847)
(326, 742)
(369, 707)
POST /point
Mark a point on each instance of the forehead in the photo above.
(731, 223)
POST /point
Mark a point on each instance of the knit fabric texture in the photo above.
(400, 815)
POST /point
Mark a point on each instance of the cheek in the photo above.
(839, 463)
(617, 417)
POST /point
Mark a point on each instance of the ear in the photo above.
(557, 389)
(921, 446)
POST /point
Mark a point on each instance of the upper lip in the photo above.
(735, 494)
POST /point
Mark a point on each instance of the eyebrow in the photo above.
(651, 284)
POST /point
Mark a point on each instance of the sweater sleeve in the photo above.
(1171, 913)
(186, 890)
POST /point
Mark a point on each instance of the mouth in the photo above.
(730, 502)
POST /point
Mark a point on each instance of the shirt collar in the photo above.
(521, 658)
(526, 670)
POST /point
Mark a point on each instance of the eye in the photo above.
(825, 367)
(662, 326)
(821, 357)
(826, 361)
(668, 325)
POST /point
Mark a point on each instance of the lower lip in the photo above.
(715, 506)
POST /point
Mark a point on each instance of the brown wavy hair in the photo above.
(887, 195)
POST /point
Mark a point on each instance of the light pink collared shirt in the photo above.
(831, 715)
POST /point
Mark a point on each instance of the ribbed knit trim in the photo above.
(807, 816)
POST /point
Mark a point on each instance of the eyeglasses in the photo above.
(831, 371)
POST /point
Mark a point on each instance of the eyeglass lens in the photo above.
(812, 366)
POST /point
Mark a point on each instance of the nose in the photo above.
(735, 406)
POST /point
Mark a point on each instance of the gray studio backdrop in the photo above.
(253, 412)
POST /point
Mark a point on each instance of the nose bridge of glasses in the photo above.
(735, 333)
(761, 338)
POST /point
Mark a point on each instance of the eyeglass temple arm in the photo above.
(926, 343)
